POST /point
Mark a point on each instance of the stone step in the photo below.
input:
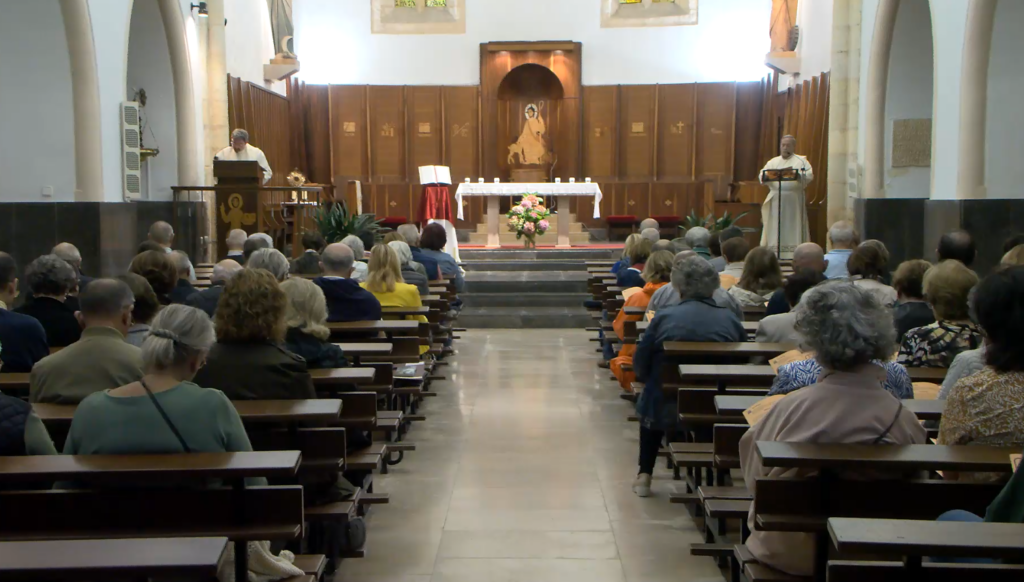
(525, 317)
(524, 299)
(523, 265)
(526, 282)
(574, 227)
(509, 238)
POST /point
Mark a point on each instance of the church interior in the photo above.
(465, 216)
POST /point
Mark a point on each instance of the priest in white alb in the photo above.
(793, 226)
(241, 151)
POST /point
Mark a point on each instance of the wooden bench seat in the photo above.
(733, 405)
(763, 375)
(913, 539)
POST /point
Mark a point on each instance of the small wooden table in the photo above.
(115, 559)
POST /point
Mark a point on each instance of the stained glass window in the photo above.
(437, 3)
(412, 3)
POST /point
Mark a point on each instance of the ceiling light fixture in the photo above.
(203, 12)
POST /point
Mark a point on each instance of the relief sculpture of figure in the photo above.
(530, 145)
(783, 20)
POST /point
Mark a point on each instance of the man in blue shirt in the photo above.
(22, 337)
(844, 239)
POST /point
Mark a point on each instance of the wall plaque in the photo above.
(911, 143)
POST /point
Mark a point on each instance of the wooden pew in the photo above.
(731, 405)
(906, 542)
(748, 326)
(239, 513)
(356, 351)
(362, 329)
(327, 377)
(741, 349)
(763, 375)
(121, 560)
(971, 458)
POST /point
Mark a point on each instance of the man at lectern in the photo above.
(241, 151)
(792, 227)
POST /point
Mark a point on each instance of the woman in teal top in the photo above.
(127, 420)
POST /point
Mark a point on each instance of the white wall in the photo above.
(1004, 137)
(909, 92)
(149, 68)
(814, 17)
(250, 41)
(37, 146)
(334, 44)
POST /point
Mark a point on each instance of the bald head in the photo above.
(161, 233)
(809, 256)
(683, 254)
(106, 303)
(69, 254)
(337, 260)
(225, 270)
(236, 240)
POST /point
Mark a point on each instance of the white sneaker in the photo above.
(642, 485)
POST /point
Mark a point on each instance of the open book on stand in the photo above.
(435, 175)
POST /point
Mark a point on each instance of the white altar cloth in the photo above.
(522, 189)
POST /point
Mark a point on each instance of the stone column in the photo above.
(217, 130)
(184, 106)
(844, 107)
(86, 94)
(974, 98)
(878, 80)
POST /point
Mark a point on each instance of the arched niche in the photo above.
(1004, 125)
(529, 120)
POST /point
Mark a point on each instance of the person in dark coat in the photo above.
(207, 298)
(309, 263)
(51, 279)
(411, 234)
(183, 288)
(249, 360)
(912, 310)
(696, 319)
(346, 300)
(307, 334)
(630, 276)
(22, 338)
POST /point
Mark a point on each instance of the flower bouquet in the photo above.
(528, 219)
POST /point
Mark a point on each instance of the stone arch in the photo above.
(974, 80)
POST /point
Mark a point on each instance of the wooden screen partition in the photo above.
(310, 110)
(267, 117)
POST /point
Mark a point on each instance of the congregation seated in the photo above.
(638, 255)
(957, 246)
(249, 361)
(649, 223)
(806, 257)
(988, 407)
(183, 288)
(346, 300)
(762, 276)
(306, 318)
(162, 233)
(718, 259)
(651, 234)
(409, 273)
(844, 239)
(207, 299)
(696, 319)
(394, 236)
(386, 283)
(912, 310)
(735, 251)
(628, 247)
(51, 280)
(946, 288)
(308, 263)
(21, 336)
(780, 328)
(359, 267)
(253, 244)
(271, 261)
(70, 254)
(657, 273)
(411, 235)
(143, 311)
(432, 244)
(699, 239)
(24, 433)
(668, 296)
(101, 359)
(848, 329)
(163, 411)
(868, 268)
(665, 246)
(235, 243)
(161, 272)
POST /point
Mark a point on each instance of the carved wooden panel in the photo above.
(462, 146)
(387, 133)
(677, 116)
(747, 163)
(423, 128)
(600, 126)
(636, 132)
(716, 104)
(349, 151)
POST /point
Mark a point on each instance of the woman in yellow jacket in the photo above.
(384, 281)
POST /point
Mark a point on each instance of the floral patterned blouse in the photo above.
(797, 375)
(935, 345)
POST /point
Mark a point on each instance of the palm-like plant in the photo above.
(710, 222)
(336, 222)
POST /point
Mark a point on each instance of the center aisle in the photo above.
(522, 473)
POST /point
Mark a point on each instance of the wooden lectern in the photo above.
(237, 200)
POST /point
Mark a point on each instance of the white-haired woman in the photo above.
(270, 260)
(409, 272)
(307, 334)
(849, 330)
(359, 251)
(697, 318)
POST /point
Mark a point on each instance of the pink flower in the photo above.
(526, 203)
(517, 209)
(543, 225)
(528, 227)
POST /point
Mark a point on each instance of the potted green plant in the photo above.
(336, 222)
(710, 222)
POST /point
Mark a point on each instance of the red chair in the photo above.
(624, 222)
(668, 226)
(393, 222)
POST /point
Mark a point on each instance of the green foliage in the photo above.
(337, 222)
(710, 222)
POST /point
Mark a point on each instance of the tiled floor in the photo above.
(522, 473)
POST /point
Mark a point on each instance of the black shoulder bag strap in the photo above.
(885, 433)
(167, 419)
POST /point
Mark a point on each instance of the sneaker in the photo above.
(642, 485)
(604, 364)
